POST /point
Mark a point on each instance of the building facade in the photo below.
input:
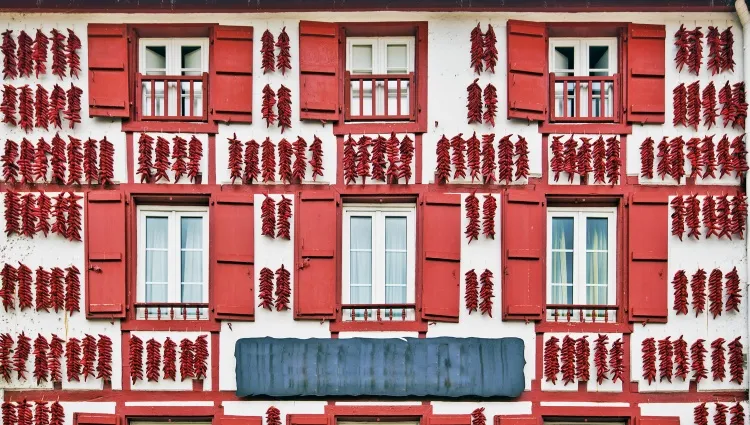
(314, 214)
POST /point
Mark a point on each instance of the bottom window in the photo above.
(581, 263)
(379, 262)
(172, 263)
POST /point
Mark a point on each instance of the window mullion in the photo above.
(174, 262)
(579, 285)
(378, 251)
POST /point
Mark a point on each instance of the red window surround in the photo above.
(378, 414)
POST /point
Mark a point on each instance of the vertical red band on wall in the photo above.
(108, 70)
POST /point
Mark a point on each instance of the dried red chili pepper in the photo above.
(715, 288)
(665, 359)
(738, 414)
(700, 414)
(268, 161)
(723, 220)
(283, 289)
(161, 160)
(477, 49)
(713, 39)
(471, 296)
(647, 158)
(567, 360)
(72, 290)
(570, 158)
(697, 359)
(90, 167)
(488, 158)
(28, 215)
(679, 282)
(10, 168)
(728, 112)
(74, 217)
(283, 219)
(10, 63)
(490, 104)
(9, 414)
(443, 166)
(71, 53)
(739, 214)
(56, 288)
(41, 107)
(718, 368)
(6, 364)
(472, 214)
(73, 111)
(489, 208)
(285, 161)
(201, 357)
(739, 105)
(393, 155)
(694, 156)
(522, 158)
(709, 216)
(265, 293)
(283, 60)
(269, 101)
(733, 290)
(363, 157)
(59, 63)
(170, 359)
(490, 49)
(41, 286)
(486, 292)
(268, 217)
(551, 363)
(235, 158)
(135, 358)
(252, 170)
(600, 358)
(478, 417)
(88, 347)
(195, 154)
(299, 168)
(582, 358)
(273, 416)
(378, 158)
(473, 157)
(8, 106)
(616, 366)
(736, 371)
(53, 358)
(694, 105)
(678, 216)
(739, 155)
(268, 62)
(60, 225)
(692, 216)
(26, 108)
(12, 213)
(696, 50)
(316, 160)
(58, 161)
(350, 160)
(677, 158)
(679, 106)
(57, 414)
(21, 355)
(26, 161)
(406, 150)
(709, 105)
(474, 102)
(23, 410)
(9, 279)
(727, 50)
(57, 102)
(40, 164)
(708, 157)
(683, 48)
(664, 167)
(682, 368)
(41, 370)
(75, 161)
(23, 276)
(106, 161)
(104, 352)
(648, 350)
(583, 159)
(187, 359)
(27, 54)
(153, 360)
(505, 159)
(720, 416)
(41, 413)
(284, 107)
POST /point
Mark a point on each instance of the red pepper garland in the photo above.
(739, 212)
(179, 152)
(41, 413)
(700, 414)
(25, 300)
(471, 297)
(41, 107)
(738, 414)
(490, 104)
(104, 352)
(195, 154)
(187, 359)
(505, 160)
(273, 416)
(443, 167)
(680, 292)
(201, 357)
(283, 288)
(728, 112)
(56, 288)
(73, 219)
(268, 217)
(135, 358)
(72, 290)
(267, 52)
(486, 292)
(474, 103)
(58, 161)
(739, 105)
(715, 281)
(235, 158)
(488, 158)
(6, 365)
(665, 359)
(153, 360)
(10, 168)
(268, 161)
(21, 355)
(406, 149)
(170, 359)
(567, 360)
(694, 105)
(9, 279)
(75, 161)
(40, 163)
(299, 168)
(8, 106)
(477, 49)
(736, 371)
(57, 103)
(683, 48)
(73, 112)
(664, 167)
(41, 285)
(349, 160)
(697, 359)
(57, 414)
(393, 155)
(251, 160)
(677, 158)
(26, 161)
(316, 160)
(616, 366)
(696, 50)
(648, 349)
(39, 53)
(73, 359)
(26, 108)
(28, 215)
(283, 220)
(733, 290)
(378, 158)
(266, 289)
(60, 225)
(363, 157)
(727, 50)
(285, 161)
(71, 53)
(478, 417)
(9, 414)
(522, 158)
(570, 158)
(88, 346)
(720, 416)
(583, 159)
(53, 359)
(708, 157)
(723, 219)
(489, 208)
(90, 168)
(473, 157)
(694, 156)
(106, 162)
(285, 108)
(12, 213)
(647, 158)
(582, 358)
(490, 49)
(709, 216)
(10, 64)
(25, 63)
(472, 214)
(23, 410)
(692, 216)
(739, 155)
(269, 101)
(678, 217)
(600, 358)
(551, 363)
(41, 369)
(713, 39)
(679, 106)
(59, 63)
(718, 369)
(709, 105)
(458, 156)
(681, 358)
(161, 160)
(283, 60)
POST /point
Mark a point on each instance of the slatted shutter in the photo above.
(527, 70)
(234, 247)
(238, 420)
(449, 419)
(658, 420)
(109, 94)
(523, 243)
(646, 71)
(231, 85)
(648, 238)
(105, 254)
(95, 419)
(317, 242)
(441, 257)
(319, 70)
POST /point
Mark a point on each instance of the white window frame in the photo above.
(173, 53)
(174, 213)
(581, 53)
(579, 216)
(378, 214)
(380, 52)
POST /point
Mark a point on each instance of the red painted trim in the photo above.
(418, 159)
(131, 324)
(182, 412)
(590, 412)
(124, 360)
(130, 157)
(211, 159)
(374, 326)
(170, 127)
(215, 357)
(378, 411)
(582, 129)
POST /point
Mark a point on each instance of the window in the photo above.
(372, 63)
(581, 259)
(379, 259)
(583, 74)
(177, 66)
(172, 261)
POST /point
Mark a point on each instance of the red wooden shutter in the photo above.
(105, 252)
(646, 70)
(307, 419)
(518, 420)
(658, 420)
(449, 419)
(231, 86)
(441, 246)
(234, 248)
(527, 70)
(318, 70)
(238, 420)
(95, 419)
(317, 241)
(524, 244)
(648, 237)
(108, 70)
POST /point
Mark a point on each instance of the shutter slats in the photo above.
(109, 94)
(527, 70)
(442, 257)
(646, 73)
(319, 69)
(231, 85)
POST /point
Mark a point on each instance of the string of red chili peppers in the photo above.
(154, 161)
(715, 296)
(364, 158)
(457, 154)
(19, 59)
(722, 216)
(160, 364)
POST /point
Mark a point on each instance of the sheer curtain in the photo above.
(157, 259)
(562, 260)
(596, 260)
(395, 260)
(191, 259)
(360, 260)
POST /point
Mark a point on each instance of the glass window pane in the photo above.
(562, 233)
(157, 266)
(596, 295)
(564, 60)
(157, 230)
(155, 57)
(191, 231)
(192, 293)
(598, 57)
(395, 295)
(191, 58)
(596, 233)
(562, 294)
(360, 233)
(362, 59)
(360, 263)
(395, 233)
(191, 269)
(396, 57)
(156, 293)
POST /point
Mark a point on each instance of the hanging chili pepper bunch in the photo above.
(201, 357)
(21, 355)
(268, 161)
(647, 158)
(73, 359)
(299, 168)
(252, 169)
(713, 39)
(600, 357)
(12, 213)
(284, 107)
(739, 212)
(363, 157)
(708, 157)
(75, 161)
(41, 107)
(273, 416)
(104, 353)
(733, 290)
(74, 218)
(283, 288)
(39, 54)
(10, 168)
(406, 150)
(106, 161)
(145, 152)
(718, 368)
(88, 346)
(700, 414)
(266, 288)
(715, 287)
(283, 60)
(153, 360)
(285, 161)
(489, 208)
(648, 350)
(488, 158)
(551, 362)
(90, 168)
(720, 416)
(727, 50)
(195, 154)
(28, 215)
(567, 360)
(738, 414)
(682, 43)
(472, 214)
(57, 414)
(235, 158)
(739, 104)
(723, 218)
(473, 157)
(41, 163)
(679, 106)
(486, 292)
(135, 358)
(161, 160)
(728, 112)
(268, 217)
(71, 53)
(9, 413)
(23, 276)
(269, 101)
(570, 158)
(490, 104)
(692, 216)
(43, 301)
(41, 413)
(709, 216)
(350, 160)
(73, 111)
(316, 158)
(23, 410)
(696, 50)
(474, 103)
(522, 158)
(666, 365)
(471, 296)
(616, 355)
(8, 105)
(6, 364)
(583, 352)
(505, 159)
(443, 167)
(664, 166)
(694, 156)
(736, 370)
(694, 105)
(60, 225)
(490, 49)
(53, 359)
(9, 280)
(583, 159)
(267, 51)
(394, 156)
(678, 216)
(26, 108)
(697, 359)
(25, 162)
(477, 49)
(170, 359)
(378, 158)
(187, 359)
(709, 105)
(680, 292)
(283, 219)
(10, 64)
(682, 369)
(59, 62)
(25, 63)
(57, 103)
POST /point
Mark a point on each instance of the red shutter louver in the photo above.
(105, 252)
(231, 85)
(317, 231)
(318, 70)
(238, 420)
(108, 70)
(647, 260)
(233, 276)
(527, 70)
(524, 247)
(95, 419)
(441, 278)
(449, 419)
(645, 73)
(518, 420)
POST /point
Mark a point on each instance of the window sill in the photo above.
(378, 326)
(380, 127)
(209, 325)
(585, 128)
(170, 127)
(587, 327)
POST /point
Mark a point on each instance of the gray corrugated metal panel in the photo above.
(398, 367)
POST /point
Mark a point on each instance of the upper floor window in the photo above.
(379, 244)
(379, 78)
(583, 74)
(172, 262)
(581, 263)
(172, 78)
